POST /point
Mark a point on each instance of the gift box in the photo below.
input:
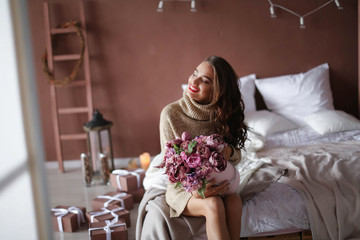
(108, 230)
(127, 180)
(109, 213)
(119, 199)
(137, 194)
(67, 218)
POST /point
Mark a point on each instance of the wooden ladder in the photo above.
(51, 59)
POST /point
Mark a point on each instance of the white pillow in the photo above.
(332, 121)
(184, 86)
(265, 123)
(297, 95)
(247, 89)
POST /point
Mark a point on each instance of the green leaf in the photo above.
(201, 190)
(204, 182)
(177, 149)
(191, 146)
(178, 184)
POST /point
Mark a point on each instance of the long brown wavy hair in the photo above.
(228, 116)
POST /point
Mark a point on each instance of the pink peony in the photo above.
(193, 160)
(186, 136)
(201, 139)
(204, 169)
(203, 150)
(184, 145)
(171, 160)
(183, 156)
(177, 172)
(169, 152)
(218, 161)
(215, 142)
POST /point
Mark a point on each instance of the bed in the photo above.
(300, 169)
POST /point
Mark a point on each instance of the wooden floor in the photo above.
(305, 235)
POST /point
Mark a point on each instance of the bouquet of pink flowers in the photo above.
(188, 162)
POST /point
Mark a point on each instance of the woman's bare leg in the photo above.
(213, 209)
(233, 207)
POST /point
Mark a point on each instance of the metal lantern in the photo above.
(99, 141)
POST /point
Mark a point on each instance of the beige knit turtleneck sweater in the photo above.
(184, 115)
(176, 118)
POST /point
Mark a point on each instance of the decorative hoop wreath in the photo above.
(75, 71)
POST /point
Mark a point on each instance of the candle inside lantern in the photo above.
(145, 160)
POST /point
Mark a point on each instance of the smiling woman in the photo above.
(206, 108)
(200, 83)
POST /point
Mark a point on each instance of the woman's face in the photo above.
(201, 83)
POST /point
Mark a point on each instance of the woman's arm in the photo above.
(166, 129)
(228, 152)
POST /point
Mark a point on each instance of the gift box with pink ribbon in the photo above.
(108, 230)
(109, 213)
(119, 199)
(68, 218)
(127, 180)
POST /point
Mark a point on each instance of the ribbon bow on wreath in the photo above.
(75, 71)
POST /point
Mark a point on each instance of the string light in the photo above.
(338, 5)
(301, 17)
(160, 6)
(272, 12)
(302, 26)
(192, 6)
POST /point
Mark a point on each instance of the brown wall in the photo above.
(139, 57)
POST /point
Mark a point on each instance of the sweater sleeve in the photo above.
(235, 158)
(166, 129)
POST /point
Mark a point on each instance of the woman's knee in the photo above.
(214, 205)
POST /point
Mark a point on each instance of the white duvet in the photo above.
(307, 136)
(279, 208)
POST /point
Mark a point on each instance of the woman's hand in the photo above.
(228, 151)
(213, 189)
